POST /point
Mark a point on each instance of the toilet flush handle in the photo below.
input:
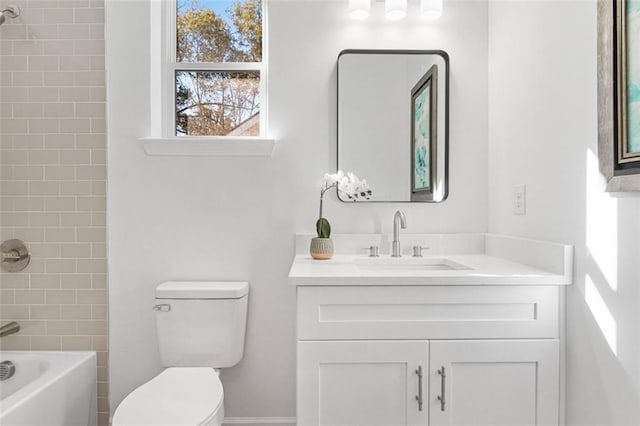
(163, 307)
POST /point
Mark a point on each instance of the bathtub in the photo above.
(49, 388)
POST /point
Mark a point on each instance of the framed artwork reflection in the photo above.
(424, 134)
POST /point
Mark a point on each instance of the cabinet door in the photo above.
(496, 383)
(361, 383)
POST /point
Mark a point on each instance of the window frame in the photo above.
(162, 97)
(173, 66)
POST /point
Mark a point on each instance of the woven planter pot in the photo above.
(321, 248)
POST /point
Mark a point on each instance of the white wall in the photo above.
(221, 218)
(543, 133)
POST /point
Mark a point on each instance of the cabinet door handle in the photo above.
(443, 376)
(419, 396)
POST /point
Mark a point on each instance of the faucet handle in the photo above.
(374, 251)
(417, 250)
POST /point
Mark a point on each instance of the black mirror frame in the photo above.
(444, 56)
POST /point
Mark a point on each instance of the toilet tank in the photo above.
(201, 323)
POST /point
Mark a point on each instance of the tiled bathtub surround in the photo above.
(53, 173)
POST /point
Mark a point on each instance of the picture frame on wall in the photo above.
(619, 94)
(424, 133)
(628, 80)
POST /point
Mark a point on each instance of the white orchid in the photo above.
(330, 179)
(354, 188)
(349, 186)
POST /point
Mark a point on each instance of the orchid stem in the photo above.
(322, 191)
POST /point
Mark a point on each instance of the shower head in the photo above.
(10, 11)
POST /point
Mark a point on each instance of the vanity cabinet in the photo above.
(478, 355)
(361, 383)
(497, 383)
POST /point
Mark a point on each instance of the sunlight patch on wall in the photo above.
(602, 224)
(601, 314)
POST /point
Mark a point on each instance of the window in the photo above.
(216, 70)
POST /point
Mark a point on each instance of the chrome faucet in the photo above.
(9, 328)
(399, 220)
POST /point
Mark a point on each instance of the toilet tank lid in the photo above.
(202, 290)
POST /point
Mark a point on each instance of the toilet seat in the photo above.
(178, 396)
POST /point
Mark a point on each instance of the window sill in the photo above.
(209, 147)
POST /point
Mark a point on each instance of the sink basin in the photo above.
(409, 264)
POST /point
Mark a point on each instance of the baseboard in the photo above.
(251, 421)
(254, 421)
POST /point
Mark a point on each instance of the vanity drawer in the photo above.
(427, 312)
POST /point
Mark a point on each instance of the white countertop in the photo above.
(483, 269)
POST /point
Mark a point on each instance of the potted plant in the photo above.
(350, 187)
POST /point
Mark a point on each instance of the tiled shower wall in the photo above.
(53, 172)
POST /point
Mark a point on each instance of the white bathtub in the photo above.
(49, 388)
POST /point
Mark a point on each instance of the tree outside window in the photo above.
(217, 76)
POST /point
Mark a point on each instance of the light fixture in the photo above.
(359, 9)
(395, 10)
(430, 9)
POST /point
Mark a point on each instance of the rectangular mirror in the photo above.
(393, 122)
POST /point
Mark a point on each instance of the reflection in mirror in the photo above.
(393, 113)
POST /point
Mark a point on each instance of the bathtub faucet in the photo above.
(9, 328)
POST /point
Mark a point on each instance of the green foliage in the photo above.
(323, 228)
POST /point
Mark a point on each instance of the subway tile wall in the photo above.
(53, 178)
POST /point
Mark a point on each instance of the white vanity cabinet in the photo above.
(494, 382)
(361, 350)
(361, 382)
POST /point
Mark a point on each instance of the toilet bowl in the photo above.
(178, 396)
(201, 328)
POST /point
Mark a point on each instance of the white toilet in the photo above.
(201, 327)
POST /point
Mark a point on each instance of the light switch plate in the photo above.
(520, 199)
